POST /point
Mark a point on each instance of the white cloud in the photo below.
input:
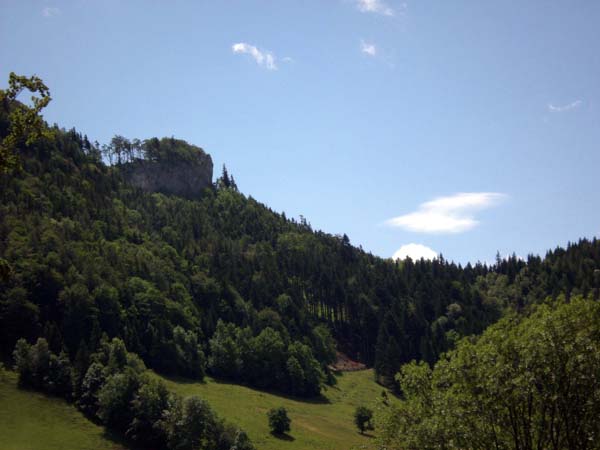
(415, 252)
(368, 49)
(263, 58)
(452, 214)
(375, 6)
(50, 11)
(563, 108)
(287, 59)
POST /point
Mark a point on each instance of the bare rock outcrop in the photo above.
(171, 166)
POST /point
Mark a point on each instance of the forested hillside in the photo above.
(223, 283)
(122, 256)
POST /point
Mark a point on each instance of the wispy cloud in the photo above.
(50, 11)
(263, 58)
(368, 49)
(415, 252)
(563, 108)
(375, 6)
(452, 214)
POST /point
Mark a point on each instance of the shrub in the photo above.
(279, 422)
(362, 419)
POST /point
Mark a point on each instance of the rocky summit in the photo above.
(174, 167)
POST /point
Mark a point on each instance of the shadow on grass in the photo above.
(320, 399)
(369, 435)
(180, 380)
(118, 440)
(283, 436)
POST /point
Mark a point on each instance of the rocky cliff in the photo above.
(171, 166)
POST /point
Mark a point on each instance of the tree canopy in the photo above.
(21, 125)
(529, 382)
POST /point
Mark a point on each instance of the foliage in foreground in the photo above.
(25, 124)
(527, 383)
(111, 386)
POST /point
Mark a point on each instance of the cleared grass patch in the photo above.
(325, 423)
(30, 420)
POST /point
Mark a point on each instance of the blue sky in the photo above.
(466, 127)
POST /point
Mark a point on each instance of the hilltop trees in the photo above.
(226, 181)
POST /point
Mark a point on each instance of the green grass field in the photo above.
(325, 424)
(33, 421)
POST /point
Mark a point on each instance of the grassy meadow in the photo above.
(326, 423)
(33, 421)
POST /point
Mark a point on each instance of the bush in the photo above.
(362, 419)
(279, 422)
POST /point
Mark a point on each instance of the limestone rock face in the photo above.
(171, 167)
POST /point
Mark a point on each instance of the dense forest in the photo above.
(100, 278)
(223, 283)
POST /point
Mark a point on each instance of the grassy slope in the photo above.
(33, 421)
(325, 424)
